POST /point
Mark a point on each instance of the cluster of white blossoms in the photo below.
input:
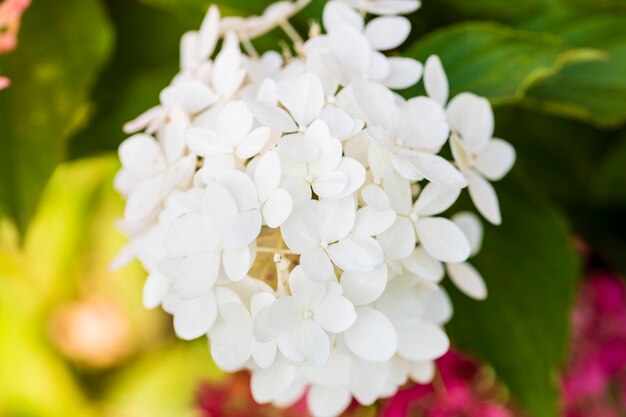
(290, 206)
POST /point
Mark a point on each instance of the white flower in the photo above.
(303, 319)
(479, 156)
(411, 133)
(351, 50)
(418, 222)
(219, 234)
(232, 141)
(151, 170)
(321, 231)
(232, 338)
(258, 180)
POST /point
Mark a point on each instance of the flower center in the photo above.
(307, 313)
(399, 142)
(414, 217)
(309, 179)
(323, 244)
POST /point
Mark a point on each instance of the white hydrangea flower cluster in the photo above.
(290, 205)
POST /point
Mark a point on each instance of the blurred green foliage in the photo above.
(555, 70)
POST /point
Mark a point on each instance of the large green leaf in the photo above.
(591, 91)
(63, 45)
(494, 9)
(493, 60)
(521, 329)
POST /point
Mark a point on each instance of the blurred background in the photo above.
(550, 340)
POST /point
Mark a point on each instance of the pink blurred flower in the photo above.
(10, 17)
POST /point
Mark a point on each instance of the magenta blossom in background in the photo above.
(598, 363)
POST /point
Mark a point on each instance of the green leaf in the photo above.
(531, 271)
(494, 9)
(590, 91)
(63, 45)
(493, 60)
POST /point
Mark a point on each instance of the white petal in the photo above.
(400, 303)
(144, 200)
(231, 345)
(242, 231)
(187, 236)
(472, 228)
(435, 199)
(264, 354)
(393, 7)
(302, 96)
(237, 263)
(422, 342)
(387, 32)
(372, 337)
(299, 231)
(328, 401)
(376, 103)
(338, 14)
(191, 96)
(335, 218)
(468, 280)
(356, 253)
(364, 287)
(438, 170)
(335, 313)
(267, 174)
(277, 208)
(299, 147)
(403, 72)
(442, 239)
(484, 197)
(285, 314)
(142, 155)
(194, 275)
(154, 290)
(218, 205)
(306, 342)
(496, 159)
(423, 124)
(227, 74)
(472, 117)
(437, 306)
(272, 116)
(368, 380)
(398, 189)
(422, 372)
(234, 122)
(241, 188)
(355, 172)
(330, 185)
(435, 80)
(424, 266)
(193, 318)
(316, 265)
(339, 122)
(267, 384)
(399, 240)
(253, 143)
(375, 197)
(371, 222)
